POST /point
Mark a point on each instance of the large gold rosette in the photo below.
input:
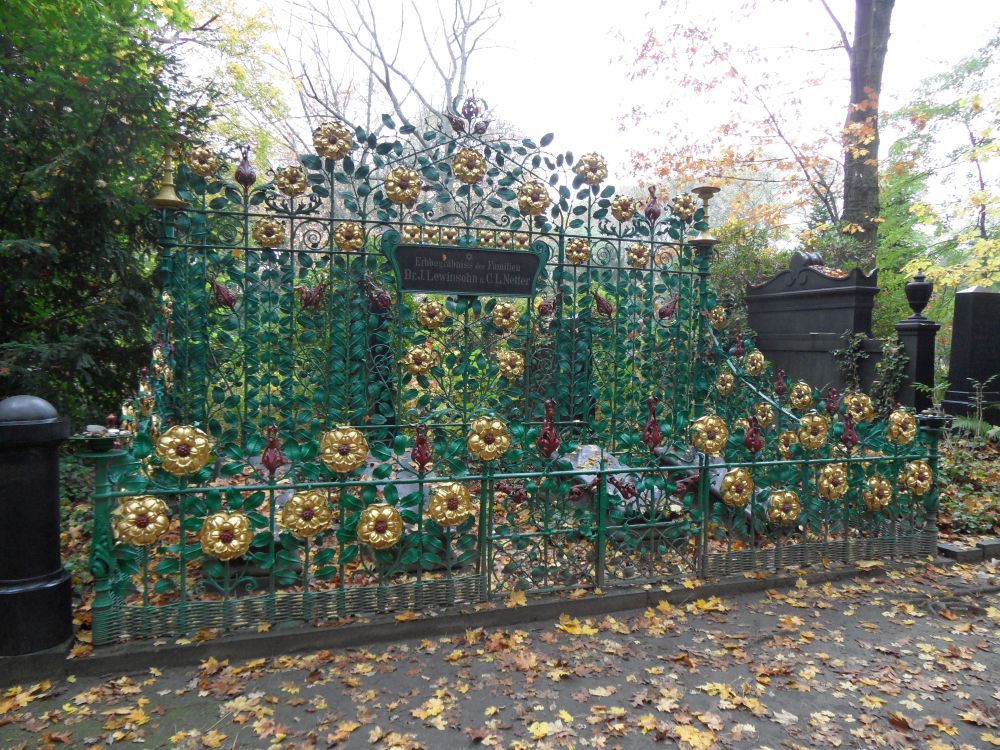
(902, 427)
(725, 383)
(226, 536)
(755, 364)
(532, 199)
(343, 449)
(469, 166)
(349, 236)
(333, 140)
(380, 526)
(859, 406)
(832, 484)
(431, 315)
(504, 316)
(801, 396)
(488, 439)
(142, 520)
(592, 168)
(783, 507)
(203, 162)
(291, 181)
(269, 232)
(183, 450)
(718, 317)
(638, 255)
(450, 504)
(813, 430)
(623, 207)
(737, 487)
(419, 360)
(765, 415)
(577, 250)
(709, 434)
(917, 477)
(402, 185)
(511, 364)
(306, 514)
(684, 206)
(878, 495)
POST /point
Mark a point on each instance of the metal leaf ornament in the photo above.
(272, 458)
(548, 439)
(651, 435)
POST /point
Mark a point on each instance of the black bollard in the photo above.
(35, 591)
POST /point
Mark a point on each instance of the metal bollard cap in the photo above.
(30, 420)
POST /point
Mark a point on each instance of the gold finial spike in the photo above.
(704, 239)
(167, 197)
(705, 192)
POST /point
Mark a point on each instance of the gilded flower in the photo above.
(577, 250)
(783, 507)
(785, 442)
(333, 140)
(801, 396)
(142, 520)
(709, 434)
(902, 427)
(737, 487)
(741, 425)
(505, 316)
(878, 495)
(592, 168)
(269, 232)
(623, 207)
(511, 364)
(917, 477)
(725, 383)
(451, 504)
(431, 314)
(183, 449)
(765, 414)
(290, 181)
(449, 235)
(532, 199)
(402, 185)
(832, 484)
(349, 236)
(430, 235)
(488, 239)
(754, 363)
(522, 241)
(488, 439)
(343, 449)
(226, 536)
(469, 166)
(380, 526)
(718, 317)
(307, 514)
(203, 162)
(684, 206)
(418, 360)
(859, 406)
(638, 255)
(411, 233)
(813, 430)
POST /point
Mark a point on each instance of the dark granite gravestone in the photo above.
(801, 314)
(975, 351)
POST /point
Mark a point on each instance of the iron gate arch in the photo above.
(312, 441)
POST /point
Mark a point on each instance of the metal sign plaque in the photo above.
(466, 270)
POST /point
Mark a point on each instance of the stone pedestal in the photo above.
(35, 592)
(975, 350)
(917, 335)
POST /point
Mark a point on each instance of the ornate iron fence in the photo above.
(422, 369)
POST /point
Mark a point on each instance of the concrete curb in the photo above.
(139, 656)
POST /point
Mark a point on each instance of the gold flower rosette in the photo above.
(380, 526)
(183, 450)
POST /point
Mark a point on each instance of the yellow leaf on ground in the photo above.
(214, 738)
(696, 739)
(991, 738)
(517, 599)
(405, 616)
(540, 729)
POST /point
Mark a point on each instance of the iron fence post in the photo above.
(602, 529)
(932, 424)
(704, 508)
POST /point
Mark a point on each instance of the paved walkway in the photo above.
(908, 659)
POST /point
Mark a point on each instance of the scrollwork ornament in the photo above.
(343, 449)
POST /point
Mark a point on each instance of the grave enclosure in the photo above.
(421, 369)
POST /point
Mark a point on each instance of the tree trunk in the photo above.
(861, 137)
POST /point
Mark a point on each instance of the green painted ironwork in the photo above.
(314, 332)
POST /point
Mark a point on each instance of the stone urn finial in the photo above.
(918, 293)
